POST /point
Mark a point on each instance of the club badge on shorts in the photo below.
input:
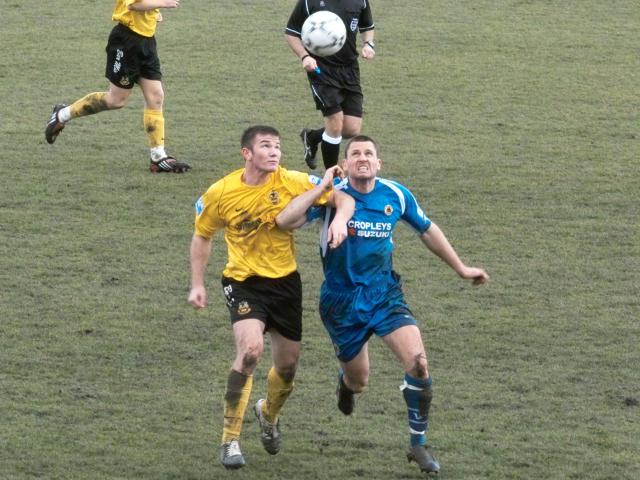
(243, 308)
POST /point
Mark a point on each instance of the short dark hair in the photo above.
(362, 138)
(249, 135)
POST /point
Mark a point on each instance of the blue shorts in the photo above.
(352, 316)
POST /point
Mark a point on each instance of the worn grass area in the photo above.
(514, 122)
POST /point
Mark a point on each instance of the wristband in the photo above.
(371, 44)
(304, 56)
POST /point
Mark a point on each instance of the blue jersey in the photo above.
(365, 257)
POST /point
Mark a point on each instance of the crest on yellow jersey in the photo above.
(274, 197)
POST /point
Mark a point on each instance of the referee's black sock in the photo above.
(330, 154)
(330, 150)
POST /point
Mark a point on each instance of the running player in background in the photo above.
(132, 58)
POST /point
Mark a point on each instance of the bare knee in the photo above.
(153, 94)
(249, 357)
(419, 367)
(115, 102)
(358, 383)
(155, 99)
(350, 131)
(287, 372)
(333, 125)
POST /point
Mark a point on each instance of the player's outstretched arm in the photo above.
(144, 5)
(345, 207)
(294, 214)
(200, 251)
(436, 241)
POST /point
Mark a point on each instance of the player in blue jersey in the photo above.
(362, 295)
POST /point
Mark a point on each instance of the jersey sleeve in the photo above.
(208, 212)
(366, 18)
(413, 214)
(297, 18)
(300, 182)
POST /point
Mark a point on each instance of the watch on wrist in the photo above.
(371, 44)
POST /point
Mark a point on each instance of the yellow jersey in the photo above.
(143, 23)
(255, 244)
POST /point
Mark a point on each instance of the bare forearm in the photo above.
(367, 36)
(345, 206)
(294, 214)
(296, 45)
(200, 252)
(436, 241)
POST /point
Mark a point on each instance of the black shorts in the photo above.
(131, 56)
(337, 89)
(275, 301)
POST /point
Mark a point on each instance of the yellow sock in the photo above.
(153, 121)
(88, 105)
(236, 399)
(278, 390)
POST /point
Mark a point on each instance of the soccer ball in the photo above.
(323, 33)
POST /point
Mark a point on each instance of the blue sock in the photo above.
(417, 395)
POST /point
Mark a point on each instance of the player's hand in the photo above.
(198, 297)
(159, 17)
(477, 275)
(368, 52)
(336, 233)
(309, 64)
(330, 174)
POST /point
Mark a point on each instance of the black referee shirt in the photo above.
(356, 15)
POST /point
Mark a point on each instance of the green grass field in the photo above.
(515, 123)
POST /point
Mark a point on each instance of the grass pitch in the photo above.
(514, 122)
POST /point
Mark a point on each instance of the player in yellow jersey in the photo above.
(132, 58)
(260, 281)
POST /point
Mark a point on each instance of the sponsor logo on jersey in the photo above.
(369, 229)
(243, 308)
(248, 225)
(199, 206)
(274, 197)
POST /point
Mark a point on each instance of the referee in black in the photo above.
(334, 80)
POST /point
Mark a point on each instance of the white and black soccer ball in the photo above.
(323, 33)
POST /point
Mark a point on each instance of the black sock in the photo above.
(330, 153)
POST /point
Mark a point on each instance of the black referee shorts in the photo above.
(275, 301)
(131, 56)
(337, 88)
